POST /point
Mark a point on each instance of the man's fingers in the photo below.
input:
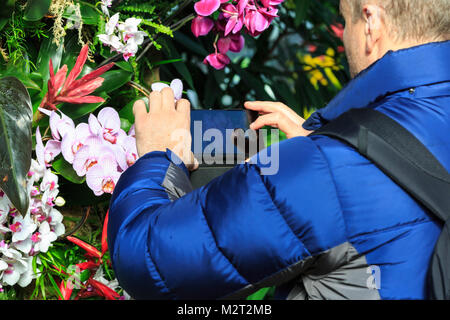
(263, 106)
(139, 109)
(155, 101)
(168, 99)
(184, 106)
(192, 164)
(271, 119)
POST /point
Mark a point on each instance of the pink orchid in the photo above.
(132, 132)
(201, 26)
(217, 60)
(103, 176)
(47, 154)
(59, 124)
(106, 125)
(206, 7)
(73, 140)
(129, 146)
(89, 154)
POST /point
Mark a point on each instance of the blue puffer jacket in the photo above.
(328, 225)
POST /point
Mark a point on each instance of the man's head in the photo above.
(373, 27)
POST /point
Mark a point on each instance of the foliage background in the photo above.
(296, 61)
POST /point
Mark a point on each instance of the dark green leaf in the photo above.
(36, 9)
(3, 22)
(172, 53)
(114, 80)
(15, 125)
(125, 65)
(48, 51)
(55, 286)
(66, 170)
(301, 8)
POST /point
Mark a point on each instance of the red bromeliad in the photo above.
(92, 287)
(70, 90)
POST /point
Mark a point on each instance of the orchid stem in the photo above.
(139, 88)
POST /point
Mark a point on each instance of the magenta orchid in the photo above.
(235, 16)
(201, 26)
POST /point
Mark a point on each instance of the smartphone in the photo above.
(221, 139)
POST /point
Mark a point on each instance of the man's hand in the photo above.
(277, 115)
(166, 125)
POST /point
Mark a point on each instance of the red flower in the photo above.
(73, 91)
(338, 30)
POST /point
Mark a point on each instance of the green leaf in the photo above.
(36, 9)
(24, 77)
(66, 170)
(173, 53)
(125, 124)
(114, 80)
(88, 14)
(15, 125)
(259, 295)
(48, 51)
(84, 276)
(55, 286)
(3, 22)
(127, 111)
(301, 9)
(124, 65)
(76, 111)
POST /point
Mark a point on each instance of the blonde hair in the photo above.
(411, 19)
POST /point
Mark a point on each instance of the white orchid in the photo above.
(130, 25)
(19, 240)
(43, 238)
(123, 37)
(24, 245)
(4, 207)
(28, 275)
(22, 228)
(16, 267)
(105, 4)
(55, 219)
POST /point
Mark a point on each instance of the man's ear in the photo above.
(373, 26)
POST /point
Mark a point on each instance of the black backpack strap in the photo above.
(401, 156)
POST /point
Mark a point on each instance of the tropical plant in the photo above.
(70, 71)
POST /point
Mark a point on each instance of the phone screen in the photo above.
(221, 139)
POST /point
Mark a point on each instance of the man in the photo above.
(328, 224)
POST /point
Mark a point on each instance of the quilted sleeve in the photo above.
(243, 231)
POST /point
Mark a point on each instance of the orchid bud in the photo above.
(59, 201)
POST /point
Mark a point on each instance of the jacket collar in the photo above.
(396, 71)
